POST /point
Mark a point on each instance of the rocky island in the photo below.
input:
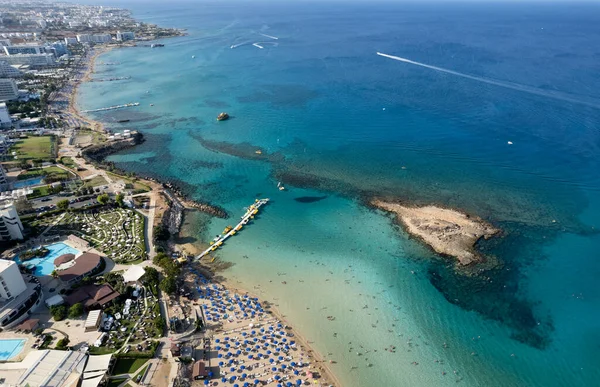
(447, 231)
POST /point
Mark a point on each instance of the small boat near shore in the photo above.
(222, 116)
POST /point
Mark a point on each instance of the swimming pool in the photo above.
(27, 183)
(45, 265)
(10, 348)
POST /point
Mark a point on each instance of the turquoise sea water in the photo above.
(45, 265)
(338, 124)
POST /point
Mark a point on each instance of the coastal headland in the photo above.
(448, 232)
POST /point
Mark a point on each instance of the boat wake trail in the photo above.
(269, 36)
(509, 85)
(262, 44)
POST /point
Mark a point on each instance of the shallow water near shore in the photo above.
(335, 121)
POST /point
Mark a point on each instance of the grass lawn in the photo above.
(54, 173)
(141, 372)
(95, 181)
(39, 192)
(38, 147)
(68, 162)
(115, 382)
(128, 365)
(100, 350)
(136, 184)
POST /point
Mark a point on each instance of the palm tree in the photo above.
(54, 274)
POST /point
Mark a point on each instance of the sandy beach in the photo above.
(86, 76)
(447, 231)
(249, 338)
(313, 362)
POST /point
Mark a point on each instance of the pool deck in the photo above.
(14, 336)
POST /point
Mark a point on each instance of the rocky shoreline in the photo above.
(96, 154)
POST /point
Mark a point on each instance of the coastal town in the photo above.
(95, 290)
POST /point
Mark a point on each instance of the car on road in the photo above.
(45, 199)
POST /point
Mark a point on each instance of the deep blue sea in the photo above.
(506, 126)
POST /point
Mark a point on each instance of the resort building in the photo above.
(5, 121)
(11, 280)
(199, 371)
(92, 322)
(19, 296)
(69, 40)
(102, 38)
(73, 269)
(93, 296)
(7, 71)
(10, 224)
(123, 36)
(46, 368)
(8, 89)
(32, 60)
(24, 49)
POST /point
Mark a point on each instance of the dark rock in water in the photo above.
(310, 199)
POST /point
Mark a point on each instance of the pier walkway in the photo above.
(250, 212)
(132, 104)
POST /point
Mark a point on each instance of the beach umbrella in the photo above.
(256, 381)
(296, 372)
(277, 377)
(233, 377)
(238, 352)
(293, 364)
(242, 367)
(274, 369)
(244, 375)
(232, 369)
(280, 358)
(279, 385)
(289, 384)
(221, 364)
(298, 382)
(206, 382)
(246, 384)
(236, 385)
(223, 380)
(218, 347)
(220, 355)
(271, 360)
(283, 366)
(250, 356)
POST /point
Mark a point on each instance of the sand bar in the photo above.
(447, 231)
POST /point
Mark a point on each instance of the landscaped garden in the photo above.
(50, 174)
(35, 148)
(116, 232)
